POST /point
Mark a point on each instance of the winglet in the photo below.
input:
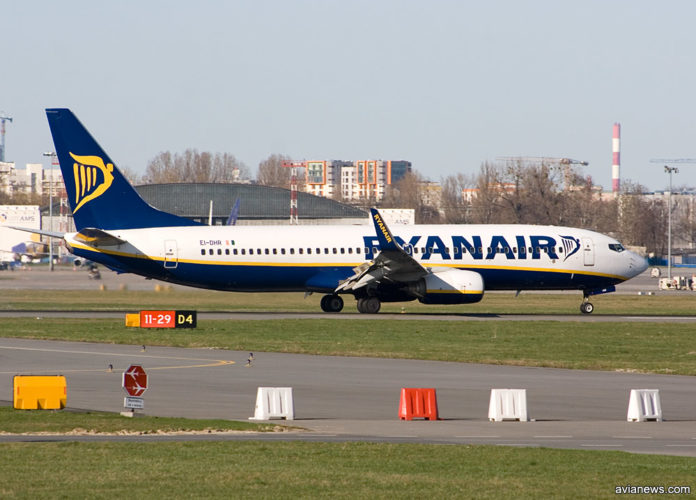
(384, 235)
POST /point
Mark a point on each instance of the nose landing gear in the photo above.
(586, 307)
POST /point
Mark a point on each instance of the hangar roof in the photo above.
(256, 201)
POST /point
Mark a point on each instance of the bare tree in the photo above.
(409, 192)
(192, 166)
(456, 207)
(272, 173)
(642, 222)
(486, 204)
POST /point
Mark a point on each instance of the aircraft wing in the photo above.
(392, 264)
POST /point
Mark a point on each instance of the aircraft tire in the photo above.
(586, 307)
(331, 303)
(369, 305)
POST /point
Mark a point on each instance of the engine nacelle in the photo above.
(453, 286)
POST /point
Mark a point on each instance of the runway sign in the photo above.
(167, 319)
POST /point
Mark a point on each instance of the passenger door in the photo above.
(588, 251)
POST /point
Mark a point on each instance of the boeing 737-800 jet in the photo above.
(435, 264)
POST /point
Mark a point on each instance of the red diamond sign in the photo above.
(135, 380)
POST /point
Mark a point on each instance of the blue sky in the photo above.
(444, 84)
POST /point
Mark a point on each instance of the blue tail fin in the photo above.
(99, 195)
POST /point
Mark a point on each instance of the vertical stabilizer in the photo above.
(99, 195)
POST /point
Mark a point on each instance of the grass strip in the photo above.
(322, 470)
(90, 422)
(204, 300)
(667, 348)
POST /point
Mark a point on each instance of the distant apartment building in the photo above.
(353, 180)
(34, 179)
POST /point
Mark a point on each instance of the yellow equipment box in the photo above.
(133, 320)
(40, 392)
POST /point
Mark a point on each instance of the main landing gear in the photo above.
(586, 307)
(369, 305)
(331, 303)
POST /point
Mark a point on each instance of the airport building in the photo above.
(258, 205)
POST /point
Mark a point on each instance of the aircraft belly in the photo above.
(507, 279)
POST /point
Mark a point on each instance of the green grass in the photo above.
(643, 347)
(49, 421)
(203, 300)
(324, 470)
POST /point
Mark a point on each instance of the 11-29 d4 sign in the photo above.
(168, 319)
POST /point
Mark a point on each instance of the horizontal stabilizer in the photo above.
(98, 238)
(51, 234)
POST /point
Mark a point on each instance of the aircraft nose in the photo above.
(637, 264)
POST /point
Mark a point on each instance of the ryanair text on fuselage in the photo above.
(525, 247)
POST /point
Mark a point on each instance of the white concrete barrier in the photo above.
(508, 404)
(274, 402)
(644, 405)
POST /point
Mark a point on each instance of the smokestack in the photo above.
(616, 159)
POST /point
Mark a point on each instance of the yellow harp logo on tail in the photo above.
(88, 184)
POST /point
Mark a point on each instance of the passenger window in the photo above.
(243, 251)
(210, 251)
(343, 250)
(292, 251)
(282, 251)
(275, 251)
(350, 249)
(202, 251)
(234, 251)
(219, 251)
(227, 251)
(266, 251)
(335, 251)
(301, 250)
(251, 251)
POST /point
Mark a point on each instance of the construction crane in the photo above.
(549, 160)
(3, 119)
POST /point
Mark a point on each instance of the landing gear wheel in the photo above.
(369, 305)
(586, 307)
(331, 303)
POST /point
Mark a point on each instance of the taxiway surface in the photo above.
(340, 398)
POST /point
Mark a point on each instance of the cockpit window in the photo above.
(617, 247)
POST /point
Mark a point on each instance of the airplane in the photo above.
(375, 263)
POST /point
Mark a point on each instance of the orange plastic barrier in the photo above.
(418, 403)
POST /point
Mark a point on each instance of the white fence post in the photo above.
(508, 404)
(644, 405)
(274, 402)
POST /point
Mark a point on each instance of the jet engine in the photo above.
(453, 286)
